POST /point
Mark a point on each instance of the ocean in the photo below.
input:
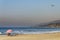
(29, 30)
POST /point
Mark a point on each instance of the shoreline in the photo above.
(47, 36)
(47, 32)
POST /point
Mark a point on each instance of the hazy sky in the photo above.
(29, 12)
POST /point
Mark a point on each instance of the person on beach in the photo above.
(9, 32)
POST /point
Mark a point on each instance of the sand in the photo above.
(51, 36)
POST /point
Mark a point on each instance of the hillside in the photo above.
(53, 24)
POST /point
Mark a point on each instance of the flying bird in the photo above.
(52, 5)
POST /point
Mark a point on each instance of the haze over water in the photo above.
(28, 12)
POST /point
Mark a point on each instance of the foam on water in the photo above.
(38, 32)
(31, 30)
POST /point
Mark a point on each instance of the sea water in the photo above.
(30, 30)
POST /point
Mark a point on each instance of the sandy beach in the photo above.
(50, 36)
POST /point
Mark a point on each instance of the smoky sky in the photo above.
(28, 12)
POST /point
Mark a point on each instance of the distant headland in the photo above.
(53, 24)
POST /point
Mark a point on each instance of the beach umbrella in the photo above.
(9, 31)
